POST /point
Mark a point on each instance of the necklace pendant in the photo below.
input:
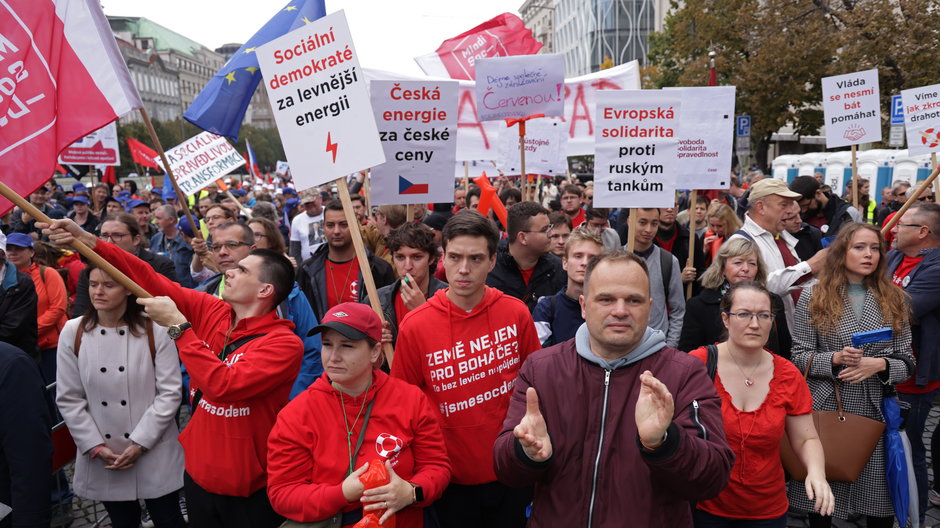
(748, 382)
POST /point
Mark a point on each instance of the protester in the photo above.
(385, 219)
(124, 232)
(853, 294)
(434, 345)
(866, 204)
(118, 388)
(561, 230)
(18, 302)
(598, 219)
(22, 222)
(722, 223)
(141, 212)
(25, 441)
(617, 374)
(99, 194)
(524, 267)
(169, 242)
(677, 240)
(666, 288)
(51, 296)
(763, 397)
(571, 197)
(82, 215)
(331, 276)
(913, 267)
(808, 237)
(825, 211)
(460, 198)
(306, 230)
(242, 359)
(737, 261)
(414, 253)
(557, 317)
(314, 476)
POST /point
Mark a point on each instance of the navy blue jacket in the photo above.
(924, 289)
(557, 318)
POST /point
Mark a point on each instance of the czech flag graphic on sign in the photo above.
(408, 187)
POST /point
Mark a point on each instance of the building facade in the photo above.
(538, 16)
(156, 81)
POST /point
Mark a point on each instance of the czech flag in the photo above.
(407, 187)
(68, 79)
(220, 106)
(253, 169)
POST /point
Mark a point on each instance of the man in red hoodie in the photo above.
(242, 360)
(467, 367)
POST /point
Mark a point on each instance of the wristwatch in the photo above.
(176, 331)
(418, 493)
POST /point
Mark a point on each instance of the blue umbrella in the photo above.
(895, 461)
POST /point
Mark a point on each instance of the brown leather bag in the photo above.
(848, 441)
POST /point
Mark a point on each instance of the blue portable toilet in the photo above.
(785, 167)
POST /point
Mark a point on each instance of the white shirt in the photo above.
(308, 230)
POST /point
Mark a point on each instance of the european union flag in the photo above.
(221, 105)
(168, 190)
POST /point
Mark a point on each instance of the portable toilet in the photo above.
(810, 163)
(838, 170)
(785, 167)
(875, 166)
(923, 166)
(906, 168)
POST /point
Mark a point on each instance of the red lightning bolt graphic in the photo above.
(330, 146)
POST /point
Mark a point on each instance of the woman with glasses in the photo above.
(853, 294)
(737, 261)
(763, 397)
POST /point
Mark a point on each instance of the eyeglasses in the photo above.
(745, 317)
(114, 237)
(213, 218)
(231, 244)
(544, 230)
(902, 224)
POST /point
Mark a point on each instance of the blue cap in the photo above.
(78, 186)
(157, 192)
(81, 199)
(134, 203)
(239, 193)
(19, 239)
(185, 227)
(291, 203)
(288, 190)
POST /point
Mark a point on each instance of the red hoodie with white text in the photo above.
(467, 363)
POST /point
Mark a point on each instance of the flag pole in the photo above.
(362, 257)
(181, 197)
(910, 201)
(86, 251)
(631, 230)
(855, 177)
(410, 213)
(691, 262)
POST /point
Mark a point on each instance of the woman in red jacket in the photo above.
(354, 415)
(763, 397)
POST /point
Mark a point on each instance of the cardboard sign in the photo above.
(545, 144)
(705, 141)
(201, 160)
(922, 119)
(418, 128)
(636, 157)
(851, 108)
(320, 102)
(98, 148)
(521, 86)
(281, 167)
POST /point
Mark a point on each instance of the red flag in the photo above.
(142, 154)
(501, 36)
(45, 45)
(109, 176)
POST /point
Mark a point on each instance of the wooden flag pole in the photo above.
(631, 230)
(410, 213)
(910, 201)
(362, 257)
(855, 177)
(181, 197)
(86, 251)
(691, 263)
(936, 183)
(466, 181)
(240, 205)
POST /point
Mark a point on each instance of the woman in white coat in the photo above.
(119, 388)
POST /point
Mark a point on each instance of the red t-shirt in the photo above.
(667, 244)
(757, 489)
(400, 309)
(526, 274)
(905, 268)
(578, 219)
(342, 282)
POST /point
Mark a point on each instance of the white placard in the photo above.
(706, 135)
(281, 167)
(546, 140)
(636, 148)
(922, 119)
(321, 106)
(201, 160)
(520, 86)
(852, 109)
(97, 148)
(418, 128)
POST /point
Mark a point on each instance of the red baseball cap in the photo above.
(353, 320)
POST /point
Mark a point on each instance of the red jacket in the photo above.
(467, 363)
(632, 488)
(308, 457)
(226, 440)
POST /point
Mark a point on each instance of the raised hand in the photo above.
(532, 432)
(654, 410)
(411, 294)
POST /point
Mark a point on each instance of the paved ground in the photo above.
(87, 514)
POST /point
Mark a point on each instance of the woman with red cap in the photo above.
(350, 417)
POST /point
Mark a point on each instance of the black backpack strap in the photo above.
(711, 362)
(229, 348)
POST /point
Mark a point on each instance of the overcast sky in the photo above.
(388, 35)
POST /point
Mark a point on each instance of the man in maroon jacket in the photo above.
(614, 425)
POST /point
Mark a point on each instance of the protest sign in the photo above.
(320, 102)
(516, 87)
(97, 148)
(545, 142)
(477, 139)
(636, 148)
(201, 160)
(418, 128)
(851, 108)
(922, 119)
(706, 132)
(281, 167)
